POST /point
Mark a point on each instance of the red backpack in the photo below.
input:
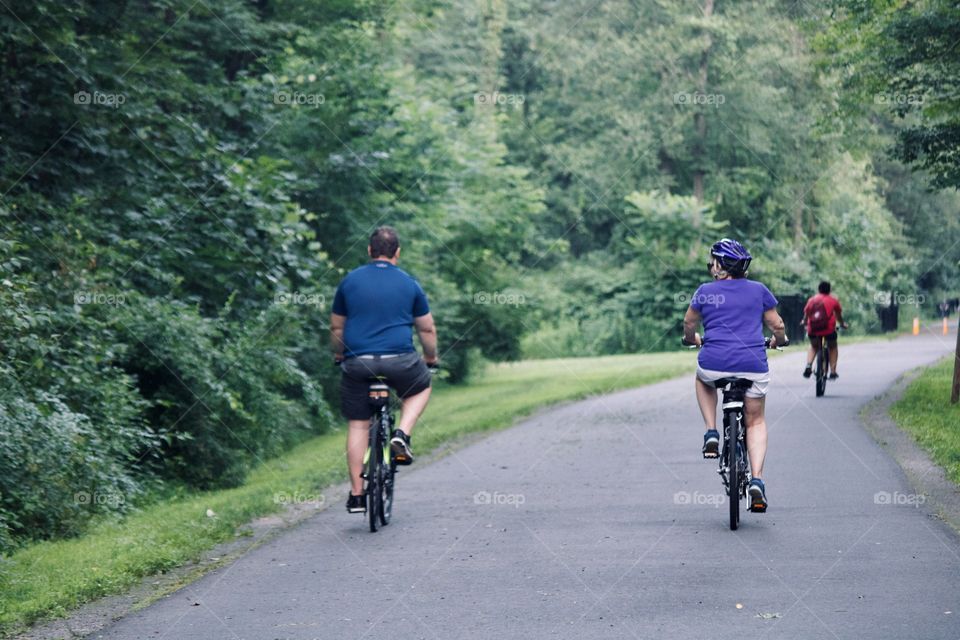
(819, 320)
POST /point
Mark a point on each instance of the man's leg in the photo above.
(812, 351)
(707, 399)
(834, 354)
(413, 407)
(753, 409)
(358, 436)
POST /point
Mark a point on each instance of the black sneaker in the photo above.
(356, 504)
(711, 444)
(833, 376)
(808, 372)
(400, 446)
(757, 493)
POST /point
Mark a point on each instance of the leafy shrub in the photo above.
(55, 470)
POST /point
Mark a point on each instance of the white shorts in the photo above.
(760, 380)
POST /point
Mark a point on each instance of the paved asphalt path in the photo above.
(599, 519)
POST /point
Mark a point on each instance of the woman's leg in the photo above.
(707, 399)
(753, 409)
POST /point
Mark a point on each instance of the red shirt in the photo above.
(831, 304)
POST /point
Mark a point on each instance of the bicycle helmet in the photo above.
(732, 256)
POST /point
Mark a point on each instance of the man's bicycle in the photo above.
(821, 364)
(734, 463)
(380, 468)
(380, 465)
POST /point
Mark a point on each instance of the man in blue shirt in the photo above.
(370, 332)
(734, 310)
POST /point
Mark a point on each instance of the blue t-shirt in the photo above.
(380, 301)
(732, 313)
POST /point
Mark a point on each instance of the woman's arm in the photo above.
(775, 323)
(691, 320)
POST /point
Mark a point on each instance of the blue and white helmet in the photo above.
(732, 256)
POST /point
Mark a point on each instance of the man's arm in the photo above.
(337, 323)
(691, 320)
(838, 313)
(428, 337)
(775, 323)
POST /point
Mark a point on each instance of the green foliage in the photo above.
(171, 174)
(903, 57)
(661, 253)
(182, 186)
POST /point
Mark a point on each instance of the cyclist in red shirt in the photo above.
(821, 315)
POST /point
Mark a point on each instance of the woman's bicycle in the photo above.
(734, 463)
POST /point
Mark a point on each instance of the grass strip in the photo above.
(925, 413)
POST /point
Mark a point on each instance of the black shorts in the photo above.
(831, 337)
(406, 373)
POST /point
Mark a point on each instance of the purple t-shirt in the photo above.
(732, 313)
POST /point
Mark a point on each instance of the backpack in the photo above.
(819, 321)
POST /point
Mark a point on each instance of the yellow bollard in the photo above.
(946, 327)
(916, 326)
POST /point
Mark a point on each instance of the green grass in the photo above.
(49, 579)
(926, 413)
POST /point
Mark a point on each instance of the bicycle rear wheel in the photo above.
(732, 428)
(374, 480)
(822, 368)
(387, 469)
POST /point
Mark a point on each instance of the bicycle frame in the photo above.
(734, 461)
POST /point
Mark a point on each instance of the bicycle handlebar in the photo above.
(766, 343)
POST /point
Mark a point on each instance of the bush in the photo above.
(223, 394)
(55, 470)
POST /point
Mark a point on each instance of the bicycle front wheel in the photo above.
(732, 428)
(821, 370)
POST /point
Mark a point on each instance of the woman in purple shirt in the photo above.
(733, 311)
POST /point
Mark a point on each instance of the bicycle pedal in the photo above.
(711, 456)
(758, 508)
(402, 460)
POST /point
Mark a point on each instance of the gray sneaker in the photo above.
(711, 444)
(757, 493)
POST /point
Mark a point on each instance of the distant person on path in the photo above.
(374, 309)
(821, 315)
(734, 310)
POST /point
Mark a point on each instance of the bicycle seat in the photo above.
(379, 392)
(733, 382)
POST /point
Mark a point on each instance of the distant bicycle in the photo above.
(822, 365)
(734, 463)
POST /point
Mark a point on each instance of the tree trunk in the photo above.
(955, 393)
(798, 212)
(700, 120)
